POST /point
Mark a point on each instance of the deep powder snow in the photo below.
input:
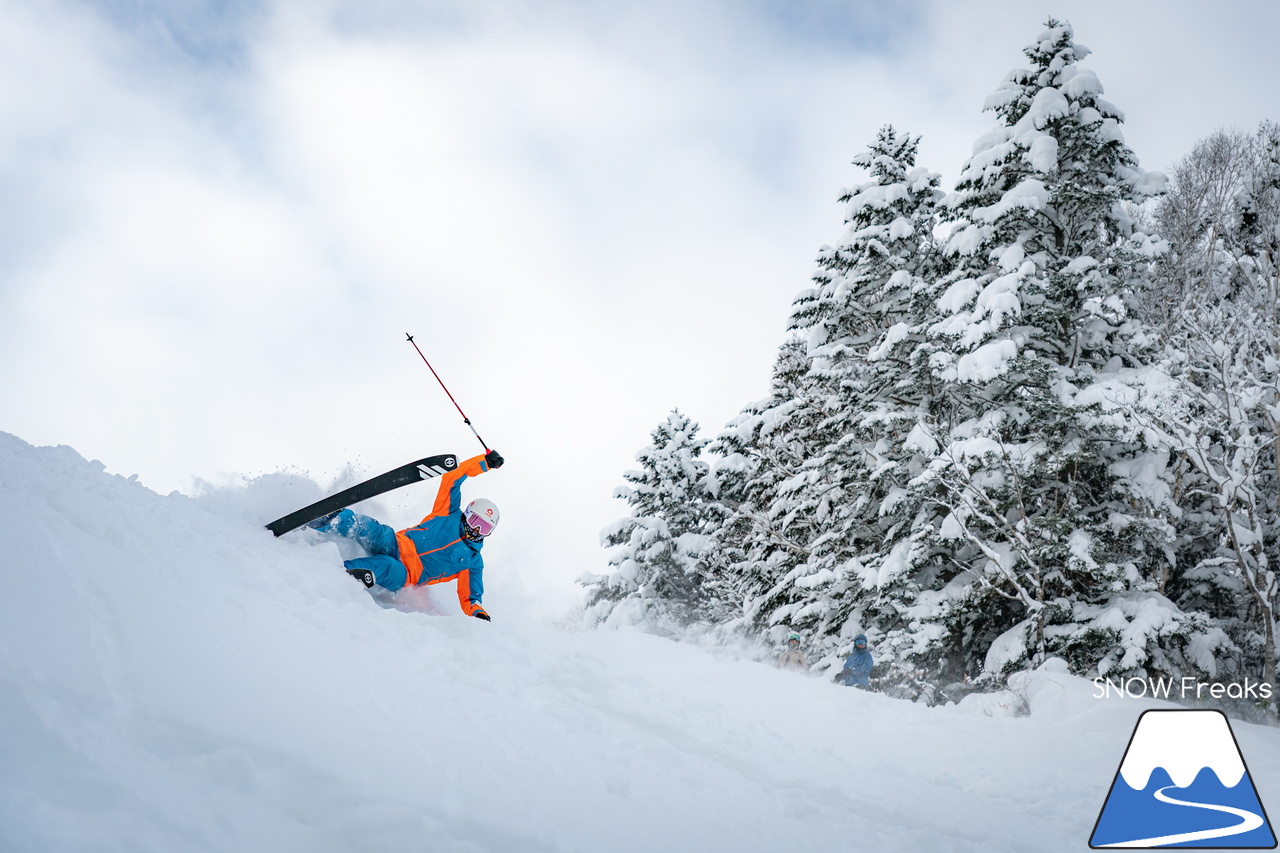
(173, 678)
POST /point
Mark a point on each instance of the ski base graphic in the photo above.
(413, 472)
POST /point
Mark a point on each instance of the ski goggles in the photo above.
(479, 524)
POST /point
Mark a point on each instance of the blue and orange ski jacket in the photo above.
(434, 551)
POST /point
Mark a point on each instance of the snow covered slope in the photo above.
(173, 678)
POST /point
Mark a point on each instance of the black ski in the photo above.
(414, 472)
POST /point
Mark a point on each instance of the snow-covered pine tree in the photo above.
(1046, 515)
(860, 320)
(656, 582)
(755, 539)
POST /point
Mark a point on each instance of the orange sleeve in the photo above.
(464, 593)
(449, 497)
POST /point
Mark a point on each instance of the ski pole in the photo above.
(466, 420)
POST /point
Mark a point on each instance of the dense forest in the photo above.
(1034, 416)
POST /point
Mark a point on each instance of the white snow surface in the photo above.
(173, 678)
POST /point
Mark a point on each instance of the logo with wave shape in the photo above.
(1183, 783)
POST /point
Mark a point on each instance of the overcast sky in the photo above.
(219, 219)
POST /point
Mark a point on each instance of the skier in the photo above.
(857, 667)
(792, 657)
(443, 546)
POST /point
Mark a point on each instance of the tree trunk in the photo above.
(1269, 663)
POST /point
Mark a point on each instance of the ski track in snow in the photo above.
(175, 678)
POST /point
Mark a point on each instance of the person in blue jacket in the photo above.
(444, 546)
(857, 667)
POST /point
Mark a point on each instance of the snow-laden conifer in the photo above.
(655, 583)
(859, 320)
(759, 537)
(958, 456)
(1044, 513)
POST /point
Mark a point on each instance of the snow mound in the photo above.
(174, 678)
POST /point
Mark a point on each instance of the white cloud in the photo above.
(221, 220)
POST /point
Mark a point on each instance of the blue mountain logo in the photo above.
(1183, 783)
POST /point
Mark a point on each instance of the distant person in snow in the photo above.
(857, 667)
(792, 657)
(445, 545)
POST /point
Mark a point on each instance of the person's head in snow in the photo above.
(444, 546)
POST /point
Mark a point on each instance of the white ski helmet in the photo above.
(481, 515)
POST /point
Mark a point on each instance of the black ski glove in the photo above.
(494, 459)
(480, 614)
